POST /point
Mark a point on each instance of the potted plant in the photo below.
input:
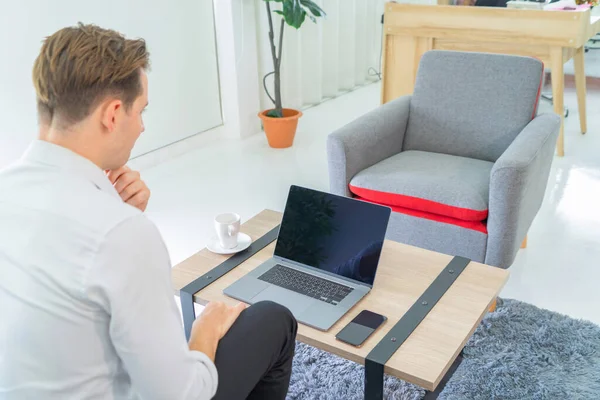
(592, 3)
(280, 123)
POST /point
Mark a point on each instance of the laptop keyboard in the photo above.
(307, 284)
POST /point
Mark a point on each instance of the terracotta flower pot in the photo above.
(281, 131)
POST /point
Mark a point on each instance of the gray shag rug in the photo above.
(518, 352)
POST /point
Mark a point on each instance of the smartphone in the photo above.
(360, 328)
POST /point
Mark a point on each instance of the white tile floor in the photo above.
(560, 270)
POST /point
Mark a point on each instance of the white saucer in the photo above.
(244, 241)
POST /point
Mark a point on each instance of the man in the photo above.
(86, 305)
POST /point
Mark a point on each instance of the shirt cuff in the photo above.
(212, 370)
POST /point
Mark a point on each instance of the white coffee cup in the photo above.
(227, 226)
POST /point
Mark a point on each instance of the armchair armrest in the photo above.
(518, 182)
(366, 141)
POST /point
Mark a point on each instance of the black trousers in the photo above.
(254, 359)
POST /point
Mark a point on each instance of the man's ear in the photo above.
(110, 113)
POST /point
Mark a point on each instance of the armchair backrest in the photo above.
(472, 104)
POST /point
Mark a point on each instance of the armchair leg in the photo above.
(493, 306)
(524, 243)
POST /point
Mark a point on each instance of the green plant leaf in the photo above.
(294, 13)
(279, 12)
(274, 114)
(313, 8)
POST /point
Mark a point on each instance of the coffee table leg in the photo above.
(188, 312)
(440, 388)
(373, 380)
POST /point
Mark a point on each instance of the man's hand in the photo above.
(130, 187)
(210, 327)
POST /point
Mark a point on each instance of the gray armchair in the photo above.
(463, 162)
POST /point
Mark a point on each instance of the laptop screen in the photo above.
(335, 234)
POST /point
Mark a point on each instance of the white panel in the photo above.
(184, 93)
(361, 56)
(291, 77)
(374, 29)
(330, 54)
(347, 45)
(235, 29)
(311, 71)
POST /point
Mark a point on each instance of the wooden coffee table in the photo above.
(404, 273)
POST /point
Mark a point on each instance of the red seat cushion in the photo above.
(479, 226)
(416, 204)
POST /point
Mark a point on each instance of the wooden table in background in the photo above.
(552, 36)
(404, 273)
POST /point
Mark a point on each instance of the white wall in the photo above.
(184, 84)
(236, 43)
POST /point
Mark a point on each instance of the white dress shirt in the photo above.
(86, 304)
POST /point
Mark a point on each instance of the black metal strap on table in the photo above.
(376, 359)
(186, 295)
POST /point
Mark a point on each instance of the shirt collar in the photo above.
(57, 156)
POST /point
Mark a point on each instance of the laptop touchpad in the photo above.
(295, 302)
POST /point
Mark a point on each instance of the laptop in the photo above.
(325, 259)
